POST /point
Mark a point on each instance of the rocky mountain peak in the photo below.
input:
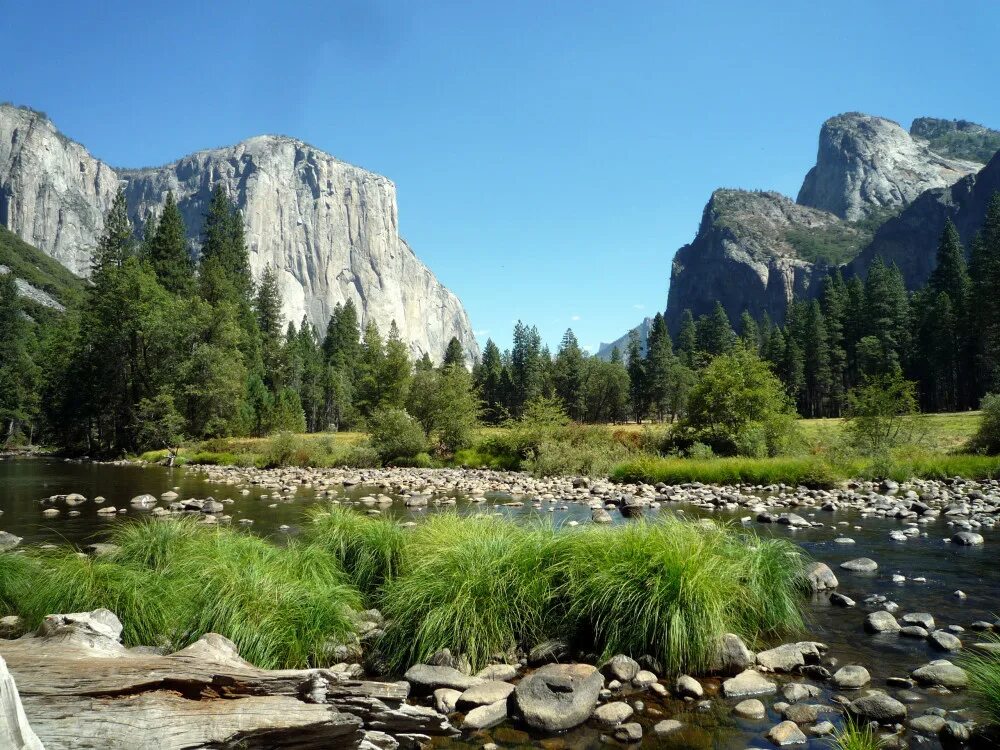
(867, 164)
(328, 228)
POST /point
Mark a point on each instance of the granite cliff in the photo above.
(330, 229)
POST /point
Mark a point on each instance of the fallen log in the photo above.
(81, 688)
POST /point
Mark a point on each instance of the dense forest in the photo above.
(159, 348)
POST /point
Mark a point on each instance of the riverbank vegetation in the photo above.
(163, 357)
(983, 668)
(479, 586)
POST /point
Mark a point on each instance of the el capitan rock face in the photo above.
(869, 164)
(330, 229)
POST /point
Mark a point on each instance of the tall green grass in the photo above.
(809, 471)
(672, 588)
(370, 549)
(479, 586)
(983, 669)
(173, 581)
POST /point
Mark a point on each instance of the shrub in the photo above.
(987, 437)
(479, 586)
(370, 549)
(393, 433)
(806, 471)
(673, 588)
(880, 415)
(281, 450)
(738, 407)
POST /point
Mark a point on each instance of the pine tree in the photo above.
(749, 332)
(117, 242)
(985, 308)
(18, 371)
(167, 250)
(527, 368)
(816, 361)
(371, 367)
(225, 266)
(342, 343)
(687, 340)
(489, 383)
(638, 387)
(887, 314)
(396, 369)
(660, 361)
(714, 333)
(454, 354)
(568, 375)
(832, 305)
(270, 323)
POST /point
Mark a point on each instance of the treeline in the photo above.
(163, 349)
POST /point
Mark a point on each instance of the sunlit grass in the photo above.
(853, 736)
(983, 668)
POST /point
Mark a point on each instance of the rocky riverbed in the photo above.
(905, 584)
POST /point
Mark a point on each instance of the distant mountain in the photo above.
(876, 189)
(46, 285)
(604, 350)
(329, 229)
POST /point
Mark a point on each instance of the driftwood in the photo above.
(80, 688)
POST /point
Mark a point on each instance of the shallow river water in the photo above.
(946, 567)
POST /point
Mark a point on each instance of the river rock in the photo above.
(797, 691)
(840, 600)
(501, 672)
(428, 678)
(143, 501)
(877, 706)
(688, 687)
(613, 714)
(881, 622)
(923, 619)
(967, 539)
(599, 515)
(667, 726)
(622, 668)
(8, 541)
(851, 677)
(942, 640)
(801, 713)
(631, 732)
(446, 700)
(942, 673)
(751, 708)
(484, 717)
(748, 683)
(860, 565)
(788, 656)
(786, 733)
(558, 696)
(485, 693)
(928, 724)
(732, 656)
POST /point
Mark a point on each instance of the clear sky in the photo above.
(550, 157)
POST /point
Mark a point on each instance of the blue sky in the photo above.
(550, 157)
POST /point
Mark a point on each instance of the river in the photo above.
(946, 568)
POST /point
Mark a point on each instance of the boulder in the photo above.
(143, 501)
(751, 708)
(732, 656)
(427, 678)
(877, 706)
(748, 683)
(941, 673)
(688, 687)
(446, 700)
(881, 622)
(667, 726)
(860, 565)
(967, 538)
(558, 696)
(613, 714)
(15, 732)
(485, 693)
(851, 677)
(923, 619)
(484, 717)
(622, 668)
(786, 733)
(8, 541)
(942, 640)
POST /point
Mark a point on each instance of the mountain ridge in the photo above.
(329, 228)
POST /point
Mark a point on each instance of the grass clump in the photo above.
(809, 471)
(479, 586)
(983, 668)
(672, 588)
(853, 736)
(370, 549)
(172, 581)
